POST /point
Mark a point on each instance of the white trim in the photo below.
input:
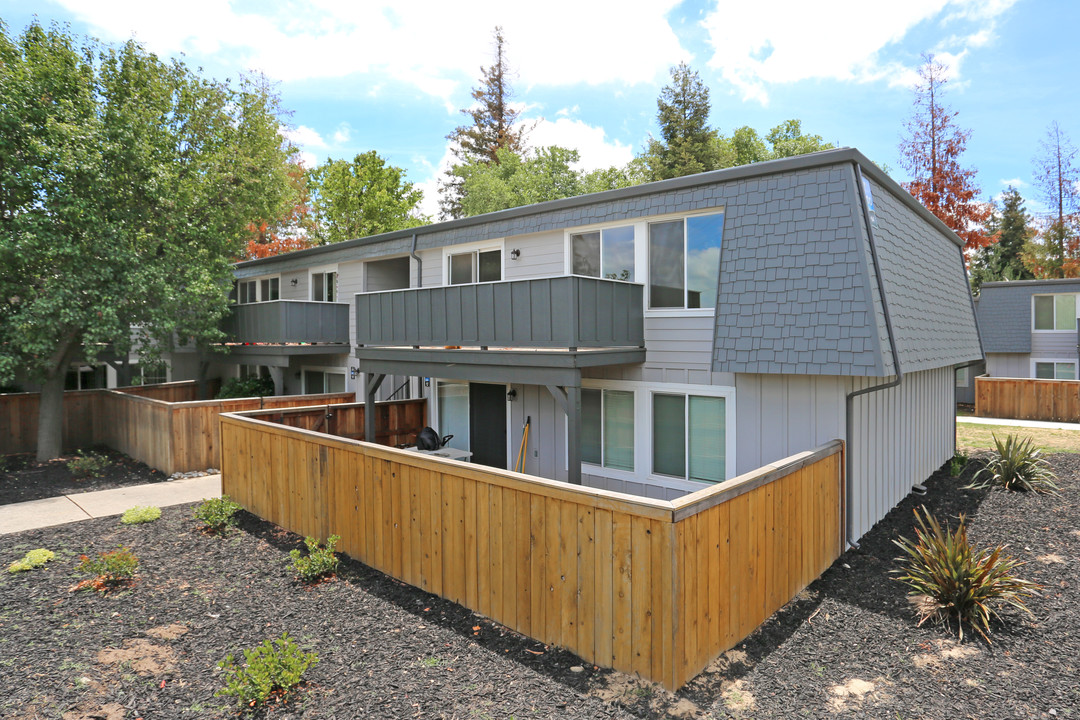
(681, 311)
(323, 269)
(1056, 361)
(326, 370)
(638, 226)
(473, 247)
(1076, 301)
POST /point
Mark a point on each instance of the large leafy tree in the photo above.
(494, 125)
(361, 197)
(1056, 253)
(292, 228)
(746, 146)
(687, 143)
(931, 152)
(1010, 229)
(126, 187)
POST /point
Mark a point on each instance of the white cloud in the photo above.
(305, 138)
(590, 141)
(430, 44)
(342, 134)
(1014, 182)
(756, 45)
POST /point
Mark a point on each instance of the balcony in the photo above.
(288, 322)
(532, 330)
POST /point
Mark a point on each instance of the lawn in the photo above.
(974, 437)
(847, 646)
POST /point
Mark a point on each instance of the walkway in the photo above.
(1017, 423)
(17, 517)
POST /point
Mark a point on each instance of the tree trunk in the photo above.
(51, 405)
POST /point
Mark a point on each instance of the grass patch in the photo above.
(970, 436)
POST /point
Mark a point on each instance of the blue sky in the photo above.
(391, 76)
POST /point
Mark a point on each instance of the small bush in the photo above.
(246, 387)
(140, 514)
(88, 465)
(217, 513)
(272, 668)
(319, 562)
(1016, 464)
(110, 569)
(957, 463)
(951, 579)
(32, 559)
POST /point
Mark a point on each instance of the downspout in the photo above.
(419, 263)
(849, 515)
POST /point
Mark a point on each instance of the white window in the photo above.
(453, 402)
(247, 292)
(1052, 369)
(258, 290)
(149, 373)
(607, 428)
(260, 371)
(269, 289)
(684, 262)
(317, 382)
(324, 286)
(473, 266)
(607, 253)
(1054, 312)
(689, 436)
(963, 377)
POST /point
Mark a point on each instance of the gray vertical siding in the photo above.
(299, 291)
(546, 452)
(541, 254)
(900, 436)
(1016, 365)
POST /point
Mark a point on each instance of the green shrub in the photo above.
(319, 561)
(1016, 464)
(109, 569)
(140, 514)
(32, 559)
(273, 667)
(951, 579)
(88, 465)
(957, 463)
(217, 513)
(246, 387)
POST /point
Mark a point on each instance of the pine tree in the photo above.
(687, 145)
(495, 126)
(1057, 178)
(1009, 229)
(931, 155)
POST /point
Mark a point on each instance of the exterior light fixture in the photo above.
(515, 254)
(511, 395)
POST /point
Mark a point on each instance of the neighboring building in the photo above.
(657, 338)
(1029, 328)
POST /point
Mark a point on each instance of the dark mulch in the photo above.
(22, 479)
(848, 647)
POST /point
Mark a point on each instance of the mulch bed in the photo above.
(23, 479)
(847, 647)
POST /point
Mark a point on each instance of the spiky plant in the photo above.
(1016, 464)
(949, 578)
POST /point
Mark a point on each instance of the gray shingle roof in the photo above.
(1004, 312)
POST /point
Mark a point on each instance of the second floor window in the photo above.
(269, 288)
(476, 266)
(1055, 312)
(247, 292)
(607, 253)
(684, 262)
(324, 286)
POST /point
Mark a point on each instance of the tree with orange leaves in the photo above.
(291, 230)
(931, 155)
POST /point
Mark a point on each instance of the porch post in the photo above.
(573, 434)
(371, 385)
(277, 374)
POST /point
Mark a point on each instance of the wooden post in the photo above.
(569, 399)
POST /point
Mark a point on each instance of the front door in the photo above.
(487, 424)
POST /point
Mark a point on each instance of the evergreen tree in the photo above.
(494, 126)
(687, 144)
(931, 155)
(1057, 177)
(1010, 229)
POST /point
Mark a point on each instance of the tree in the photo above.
(931, 155)
(1009, 229)
(495, 126)
(292, 229)
(1057, 178)
(787, 140)
(687, 144)
(745, 146)
(126, 186)
(361, 197)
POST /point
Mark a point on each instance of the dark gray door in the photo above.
(487, 424)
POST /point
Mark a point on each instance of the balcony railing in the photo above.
(280, 322)
(556, 312)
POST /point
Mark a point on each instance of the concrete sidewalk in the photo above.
(17, 517)
(1017, 423)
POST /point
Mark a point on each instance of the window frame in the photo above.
(257, 284)
(643, 434)
(305, 369)
(323, 270)
(474, 249)
(634, 225)
(1076, 300)
(1056, 362)
(963, 377)
(603, 427)
(683, 311)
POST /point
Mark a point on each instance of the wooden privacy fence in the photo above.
(169, 436)
(1028, 399)
(645, 586)
(398, 421)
